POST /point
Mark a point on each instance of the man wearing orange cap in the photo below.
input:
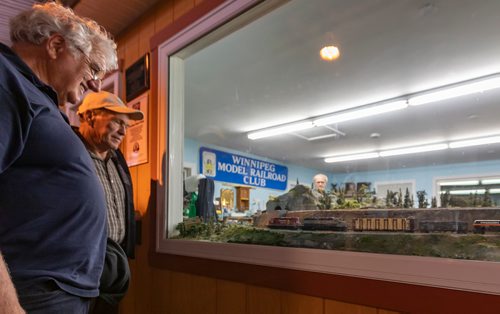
(104, 119)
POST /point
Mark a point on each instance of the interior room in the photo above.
(394, 102)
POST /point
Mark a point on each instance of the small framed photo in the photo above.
(137, 78)
(350, 188)
(367, 186)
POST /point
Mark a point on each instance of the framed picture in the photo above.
(137, 78)
(350, 189)
(136, 140)
(360, 185)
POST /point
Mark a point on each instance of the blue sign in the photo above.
(227, 167)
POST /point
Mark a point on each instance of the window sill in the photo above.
(474, 276)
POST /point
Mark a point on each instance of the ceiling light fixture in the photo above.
(475, 142)
(413, 150)
(362, 112)
(456, 90)
(351, 157)
(450, 91)
(422, 149)
(329, 53)
(490, 181)
(467, 192)
(452, 183)
(281, 129)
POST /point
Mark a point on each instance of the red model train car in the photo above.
(484, 225)
(292, 223)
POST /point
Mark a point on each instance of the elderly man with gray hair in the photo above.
(324, 198)
(52, 205)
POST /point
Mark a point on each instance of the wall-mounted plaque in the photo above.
(136, 140)
(137, 78)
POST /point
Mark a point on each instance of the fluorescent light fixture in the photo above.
(320, 137)
(413, 150)
(462, 89)
(467, 192)
(494, 191)
(351, 157)
(360, 113)
(475, 142)
(465, 182)
(490, 181)
(451, 91)
(282, 129)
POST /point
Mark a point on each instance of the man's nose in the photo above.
(122, 130)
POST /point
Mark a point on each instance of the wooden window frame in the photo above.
(471, 276)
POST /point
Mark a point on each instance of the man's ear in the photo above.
(55, 45)
(89, 117)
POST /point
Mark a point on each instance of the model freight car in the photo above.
(384, 224)
(324, 223)
(291, 223)
(443, 226)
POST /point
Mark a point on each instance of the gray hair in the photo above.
(320, 175)
(82, 34)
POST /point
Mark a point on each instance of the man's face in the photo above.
(109, 129)
(319, 184)
(71, 75)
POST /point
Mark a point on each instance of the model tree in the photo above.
(422, 201)
(340, 197)
(475, 201)
(400, 199)
(325, 201)
(445, 199)
(434, 203)
(470, 199)
(407, 200)
(486, 199)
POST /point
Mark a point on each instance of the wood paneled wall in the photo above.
(187, 294)
(160, 290)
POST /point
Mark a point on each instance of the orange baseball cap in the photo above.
(109, 102)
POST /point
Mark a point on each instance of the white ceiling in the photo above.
(269, 73)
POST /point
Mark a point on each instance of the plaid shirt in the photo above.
(115, 196)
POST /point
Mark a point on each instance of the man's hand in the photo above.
(9, 304)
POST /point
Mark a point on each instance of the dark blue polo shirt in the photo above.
(52, 205)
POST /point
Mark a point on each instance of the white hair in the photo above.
(320, 175)
(82, 34)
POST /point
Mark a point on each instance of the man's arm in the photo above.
(8, 298)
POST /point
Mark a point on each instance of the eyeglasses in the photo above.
(96, 73)
(120, 123)
(110, 116)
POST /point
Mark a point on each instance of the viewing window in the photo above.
(316, 161)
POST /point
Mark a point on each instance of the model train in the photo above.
(443, 226)
(384, 224)
(324, 223)
(310, 223)
(484, 225)
(290, 223)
